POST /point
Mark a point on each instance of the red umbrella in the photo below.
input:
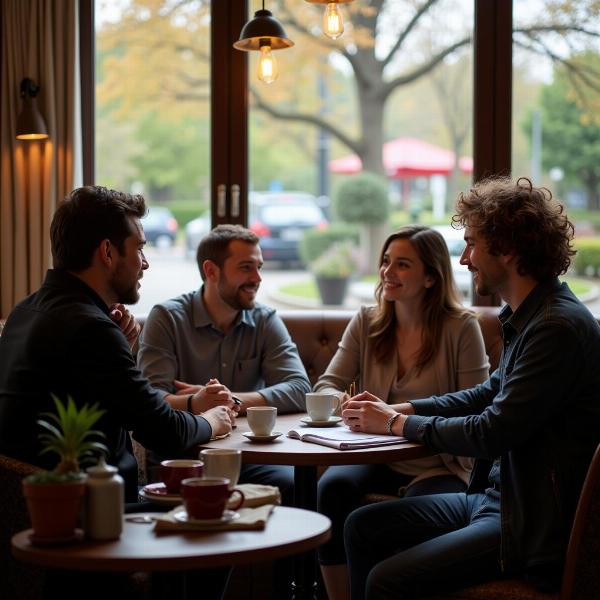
(407, 157)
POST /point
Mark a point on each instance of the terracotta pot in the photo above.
(54, 508)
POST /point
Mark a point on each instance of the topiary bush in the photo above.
(316, 241)
(363, 199)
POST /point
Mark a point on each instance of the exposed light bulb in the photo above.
(267, 65)
(333, 24)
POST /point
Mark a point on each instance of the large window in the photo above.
(556, 118)
(152, 131)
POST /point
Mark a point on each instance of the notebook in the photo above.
(343, 438)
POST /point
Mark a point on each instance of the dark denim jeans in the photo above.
(281, 476)
(341, 489)
(417, 546)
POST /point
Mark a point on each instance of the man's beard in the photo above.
(235, 298)
(127, 292)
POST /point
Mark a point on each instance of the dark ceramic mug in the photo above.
(173, 472)
(206, 497)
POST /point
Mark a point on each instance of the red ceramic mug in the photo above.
(173, 472)
(206, 497)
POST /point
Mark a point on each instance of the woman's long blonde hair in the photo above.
(440, 301)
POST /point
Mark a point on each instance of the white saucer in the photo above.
(262, 438)
(228, 515)
(331, 422)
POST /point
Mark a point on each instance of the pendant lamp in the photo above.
(264, 33)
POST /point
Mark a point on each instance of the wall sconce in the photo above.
(30, 123)
(264, 33)
(333, 24)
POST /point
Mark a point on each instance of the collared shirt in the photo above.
(179, 341)
(539, 413)
(61, 340)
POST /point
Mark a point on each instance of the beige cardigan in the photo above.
(460, 363)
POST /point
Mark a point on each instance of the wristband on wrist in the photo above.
(390, 422)
(189, 403)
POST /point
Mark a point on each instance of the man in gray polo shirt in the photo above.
(204, 346)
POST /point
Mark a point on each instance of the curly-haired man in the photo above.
(532, 427)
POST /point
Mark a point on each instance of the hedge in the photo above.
(316, 241)
(185, 211)
(587, 259)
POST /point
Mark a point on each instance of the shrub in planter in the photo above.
(54, 497)
(333, 270)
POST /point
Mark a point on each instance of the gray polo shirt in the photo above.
(179, 341)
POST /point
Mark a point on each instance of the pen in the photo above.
(236, 400)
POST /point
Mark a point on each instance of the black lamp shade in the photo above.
(30, 123)
(263, 26)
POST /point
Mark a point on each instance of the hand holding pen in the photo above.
(348, 395)
(205, 397)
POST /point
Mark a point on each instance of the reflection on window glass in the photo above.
(556, 118)
(375, 125)
(153, 125)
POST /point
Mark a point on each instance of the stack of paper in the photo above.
(343, 438)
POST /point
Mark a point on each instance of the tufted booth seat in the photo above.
(317, 334)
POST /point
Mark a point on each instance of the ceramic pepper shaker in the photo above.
(104, 504)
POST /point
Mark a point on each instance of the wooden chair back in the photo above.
(18, 580)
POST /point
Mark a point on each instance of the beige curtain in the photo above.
(39, 40)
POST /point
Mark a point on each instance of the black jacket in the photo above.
(61, 340)
(539, 412)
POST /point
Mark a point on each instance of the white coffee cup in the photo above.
(261, 419)
(222, 462)
(321, 406)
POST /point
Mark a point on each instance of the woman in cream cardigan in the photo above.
(417, 341)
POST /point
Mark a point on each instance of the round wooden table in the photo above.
(305, 458)
(288, 531)
(288, 451)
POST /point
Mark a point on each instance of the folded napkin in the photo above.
(256, 494)
(250, 518)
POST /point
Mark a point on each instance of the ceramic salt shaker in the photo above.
(104, 504)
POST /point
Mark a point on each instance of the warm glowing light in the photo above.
(333, 24)
(267, 65)
(32, 136)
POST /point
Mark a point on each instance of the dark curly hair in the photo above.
(517, 218)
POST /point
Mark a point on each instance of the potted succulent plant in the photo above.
(54, 497)
(332, 271)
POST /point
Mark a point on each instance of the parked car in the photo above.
(279, 219)
(456, 244)
(195, 230)
(160, 226)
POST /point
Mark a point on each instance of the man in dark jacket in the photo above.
(533, 426)
(73, 336)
